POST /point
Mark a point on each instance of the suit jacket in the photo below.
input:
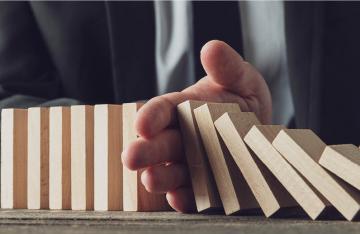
(103, 52)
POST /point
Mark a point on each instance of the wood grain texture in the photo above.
(59, 158)
(14, 158)
(234, 192)
(66, 158)
(107, 157)
(203, 183)
(82, 157)
(303, 149)
(343, 161)
(135, 196)
(268, 191)
(259, 139)
(65, 222)
(115, 196)
(20, 159)
(38, 158)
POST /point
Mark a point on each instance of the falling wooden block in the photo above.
(203, 184)
(303, 149)
(14, 159)
(107, 158)
(234, 192)
(38, 158)
(59, 158)
(82, 157)
(343, 161)
(268, 191)
(135, 196)
(259, 139)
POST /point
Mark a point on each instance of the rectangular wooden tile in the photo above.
(268, 191)
(135, 196)
(107, 157)
(203, 184)
(259, 139)
(234, 192)
(38, 158)
(303, 149)
(59, 158)
(82, 157)
(14, 158)
(343, 161)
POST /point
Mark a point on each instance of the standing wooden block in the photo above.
(268, 191)
(203, 184)
(343, 161)
(303, 149)
(60, 160)
(260, 139)
(82, 157)
(38, 158)
(234, 192)
(135, 196)
(13, 159)
(107, 157)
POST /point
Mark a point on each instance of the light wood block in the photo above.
(38, 158)
(82, 157)
(268, 191)
(203, 184)
(259, 139)
(107, 158)
(14, 158)
(303, 149)
(135, 196)
(60, 160)
(343, 161)
(234, 192)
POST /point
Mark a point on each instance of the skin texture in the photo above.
(159, 147)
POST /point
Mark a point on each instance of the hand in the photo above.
(159, 148)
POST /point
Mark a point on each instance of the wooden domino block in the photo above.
(38, 158)
(303, 149)
(203, 184)
(259, 139)
(13, 158)
(343, 161)
(135, 196)
(82, 157)
(234, 192)
(268, 191)
(107, 157)
(59, 158)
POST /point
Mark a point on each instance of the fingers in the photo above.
(182, 200)
(163, 178)
(158, 113)
(164, 147)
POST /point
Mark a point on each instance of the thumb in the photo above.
(226, 67)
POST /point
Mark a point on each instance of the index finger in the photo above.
(159, 113)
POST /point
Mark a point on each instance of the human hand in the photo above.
(159, 147)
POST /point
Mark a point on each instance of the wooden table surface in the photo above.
(20, 221)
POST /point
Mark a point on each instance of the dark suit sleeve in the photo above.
(27, 74)
(323, 43)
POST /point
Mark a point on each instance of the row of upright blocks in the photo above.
(69, 158)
